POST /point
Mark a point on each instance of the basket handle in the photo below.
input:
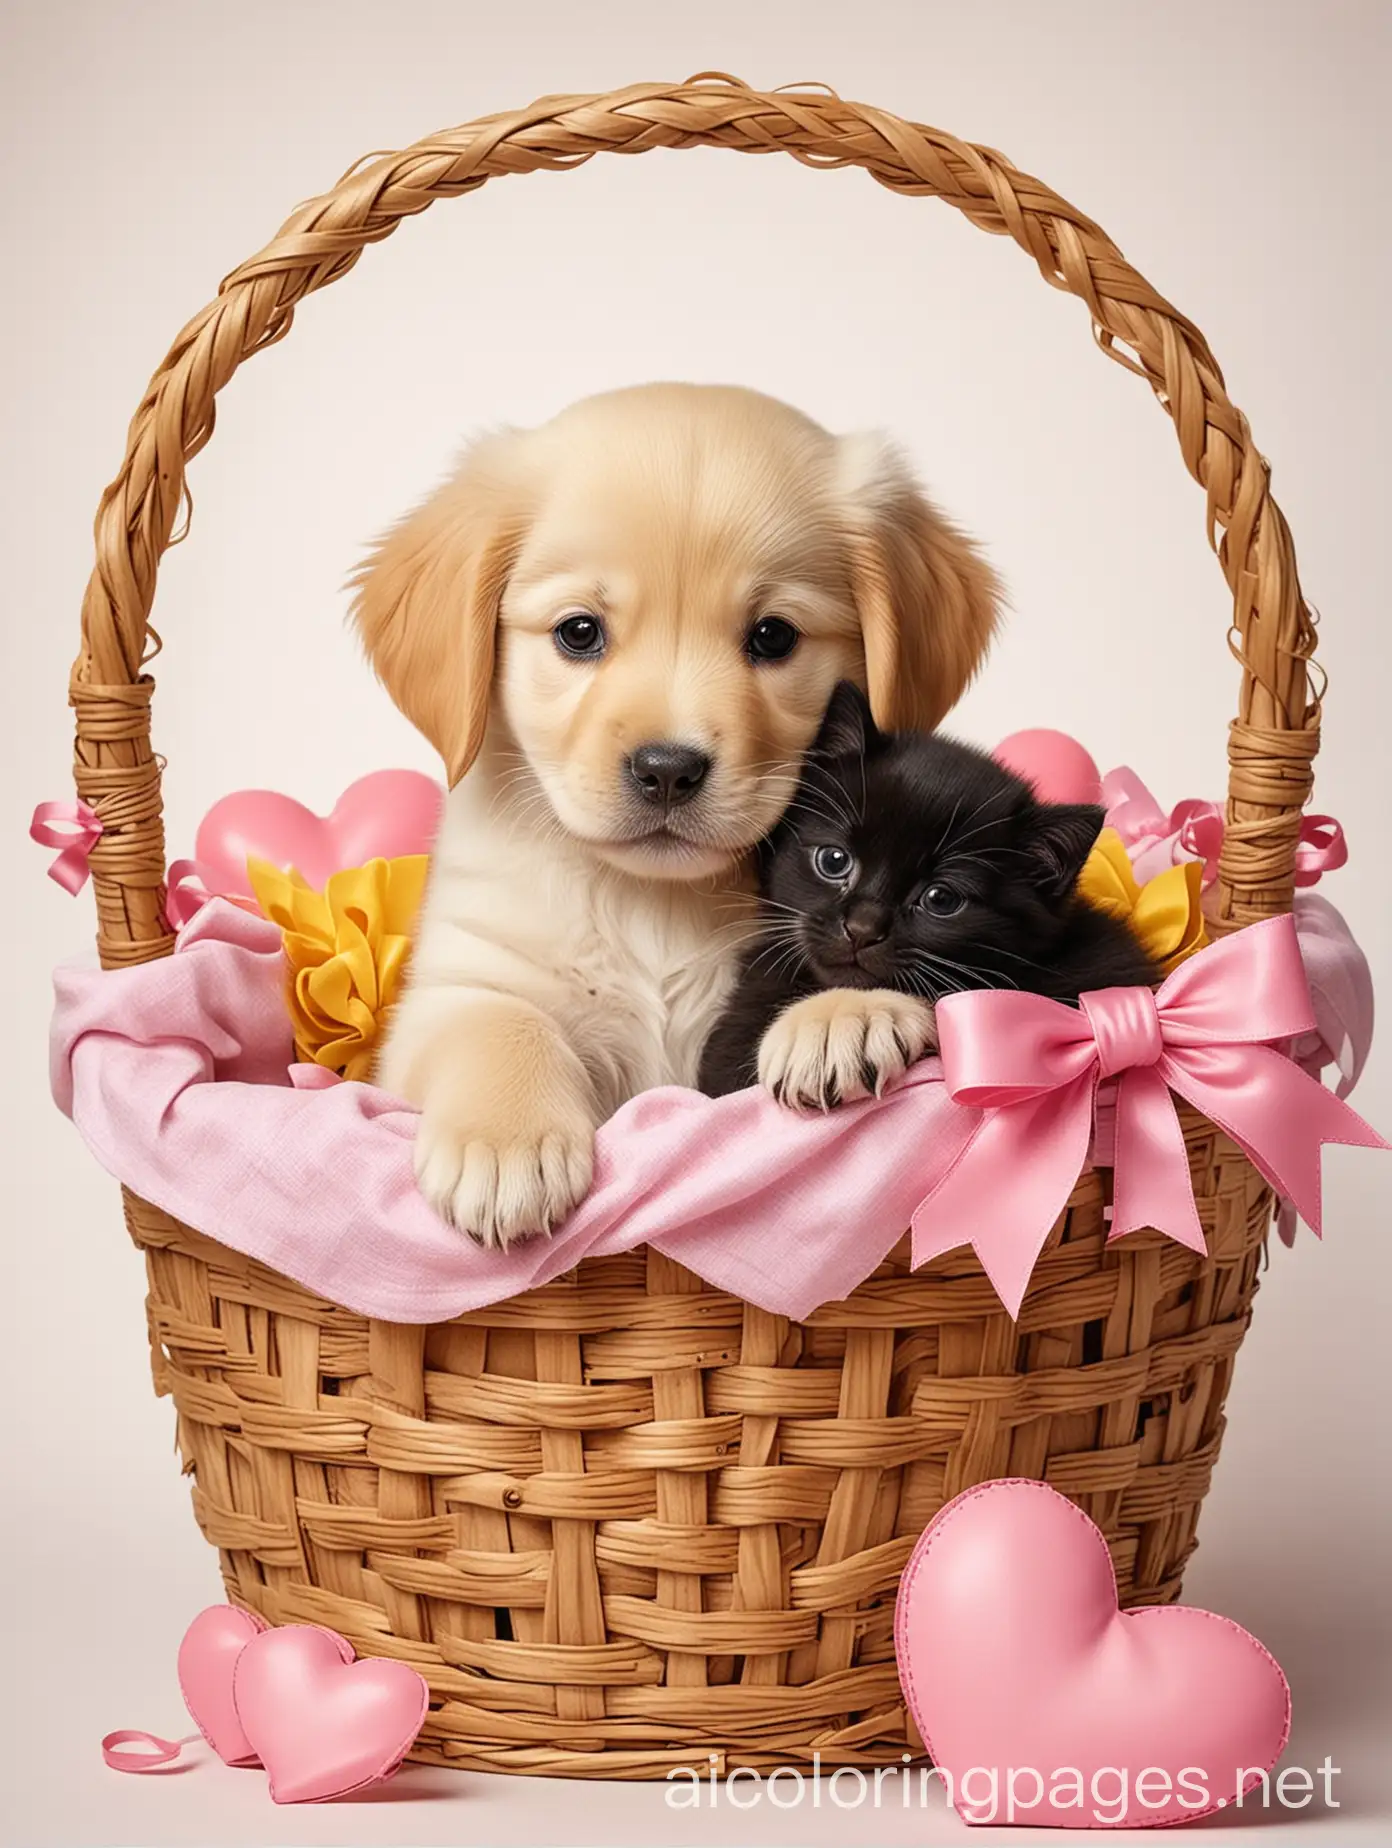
(1272, 742)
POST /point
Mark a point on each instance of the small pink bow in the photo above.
(1193, 830)
(1033, 1067)
(74, 829)
(185, 892)
(188, 886)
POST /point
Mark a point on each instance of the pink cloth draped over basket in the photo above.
(178, 1074)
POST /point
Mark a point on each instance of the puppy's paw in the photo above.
(505, 1144)
(502, 1186)
(843, 1044)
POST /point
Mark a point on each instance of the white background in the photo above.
(1238, 151)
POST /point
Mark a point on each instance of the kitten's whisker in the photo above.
(836, 808)
(972, 833)
(833, 790)
(1013, 956)
(919, 984)
(789, 961)
(779, 928)
(737, 930)
(951, 820)
(934, 991)
(780, 936)
(806, 812)
(985, 803)
(973, 975)
(820, 777)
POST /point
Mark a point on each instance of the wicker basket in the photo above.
(627, 1522)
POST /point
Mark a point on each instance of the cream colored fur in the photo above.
(569, 957)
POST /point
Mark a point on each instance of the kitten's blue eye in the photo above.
(942, 901)
(580, 636)
(833, 864)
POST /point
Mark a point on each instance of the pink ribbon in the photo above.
(185, 893)
(158, 1753)
(188, 889)
(1194, 831)
(74, 829)
(1341, 988)
(1033, 1068)
(1322, 848)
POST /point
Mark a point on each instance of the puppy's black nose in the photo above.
(668, 773)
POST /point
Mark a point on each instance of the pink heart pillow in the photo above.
(207, 1655)
(322, 1723)
(1057, 766)
(295, 1700)
(383, 816)
(1040, 1702)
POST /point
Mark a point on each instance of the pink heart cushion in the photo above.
(1040, 1702)
(322, 1723)
(1057, 766)
(207, 1655)
(385, 816)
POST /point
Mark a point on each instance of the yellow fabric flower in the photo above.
(347, 947)
(1165, 913)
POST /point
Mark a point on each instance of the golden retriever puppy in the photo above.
(620, 631)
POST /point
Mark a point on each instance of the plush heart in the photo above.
(322, 1723)
(383, 816)
(1045, 1704)
(207, 1655)
(1057, 766)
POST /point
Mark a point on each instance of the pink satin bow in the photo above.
(1193, 830)
(74, 829)
(1033, 1067)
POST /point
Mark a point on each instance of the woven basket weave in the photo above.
(628, 1522)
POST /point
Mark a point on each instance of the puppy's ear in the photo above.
(928, 601)
(426, 600)
(1057, 838)
(847, 728)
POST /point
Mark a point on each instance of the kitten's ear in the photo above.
(1058, 837)
(847, 728)
(928, 602)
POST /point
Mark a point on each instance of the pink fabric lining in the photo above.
(177, 1075)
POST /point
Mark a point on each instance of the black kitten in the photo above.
(911, 863)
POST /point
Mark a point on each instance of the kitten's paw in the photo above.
(843, 1044)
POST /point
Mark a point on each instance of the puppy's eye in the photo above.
(942, 901)
(772, 638)
(580, 636)
(833, 864)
